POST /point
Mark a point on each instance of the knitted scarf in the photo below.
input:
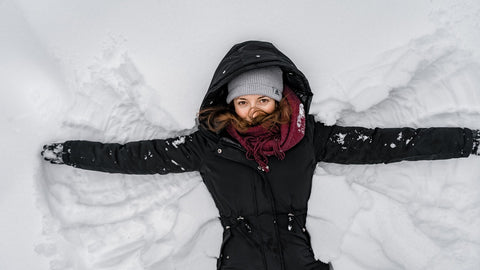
(261, 143)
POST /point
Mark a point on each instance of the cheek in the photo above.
(242, 112)
(270, 108)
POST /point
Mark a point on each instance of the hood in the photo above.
(251, 55)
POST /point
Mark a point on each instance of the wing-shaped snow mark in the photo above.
(455, 118)
(442, 89)
(119, 255)
(429, 82)
(114, 100)
(429, 62)
(109, 221)
(102, 217)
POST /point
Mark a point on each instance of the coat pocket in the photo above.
(226, 237)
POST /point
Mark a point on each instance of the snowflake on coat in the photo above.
(301, 119)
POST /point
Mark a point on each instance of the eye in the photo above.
(264, 100)
(241, 102)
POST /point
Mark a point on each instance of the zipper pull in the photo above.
(290, 221)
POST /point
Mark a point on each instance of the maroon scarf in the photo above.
(261, 143)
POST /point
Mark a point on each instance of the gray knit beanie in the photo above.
(262, 81)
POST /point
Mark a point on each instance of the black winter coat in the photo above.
(263, 214)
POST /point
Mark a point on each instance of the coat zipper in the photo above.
(274, 210)
(262, 248)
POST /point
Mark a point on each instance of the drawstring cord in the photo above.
(245, 223)
(291, 220)
(240, 220)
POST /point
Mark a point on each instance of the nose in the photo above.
(252, 110)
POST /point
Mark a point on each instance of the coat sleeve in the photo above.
(172, 155)
(358, 145)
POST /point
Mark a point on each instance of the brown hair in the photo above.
(219, 117)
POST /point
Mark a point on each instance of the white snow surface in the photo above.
(116, 71)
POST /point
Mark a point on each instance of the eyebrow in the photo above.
(242, 98)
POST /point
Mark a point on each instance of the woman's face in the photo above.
(247, 107)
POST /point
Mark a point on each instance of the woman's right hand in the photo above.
(53, 152)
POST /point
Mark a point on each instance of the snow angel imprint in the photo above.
(256, 149)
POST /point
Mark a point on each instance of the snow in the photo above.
(339, 138)
(301, 119)
(180, 140)
(119, 71)
(363, 137)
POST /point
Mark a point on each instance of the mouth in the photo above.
(256, 118)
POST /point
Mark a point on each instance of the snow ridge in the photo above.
(428, 211)
(106, 221)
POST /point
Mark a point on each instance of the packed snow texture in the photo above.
(117, 72)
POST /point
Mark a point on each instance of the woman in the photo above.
(256, 149)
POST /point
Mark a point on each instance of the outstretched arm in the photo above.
(358, 145)
(173, 155)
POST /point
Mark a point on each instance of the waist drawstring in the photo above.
(291, 217)
(291, 220)
(241, 221)
(245, 223)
